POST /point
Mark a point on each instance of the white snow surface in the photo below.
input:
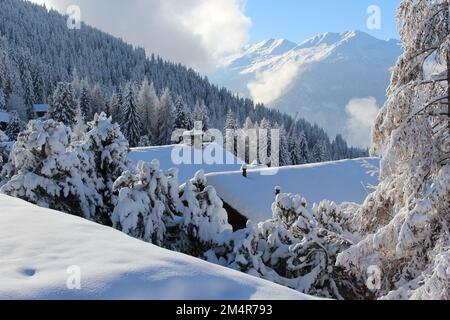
(37, 246)
(188, 169)
(339, 181)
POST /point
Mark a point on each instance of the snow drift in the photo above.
(38, 247)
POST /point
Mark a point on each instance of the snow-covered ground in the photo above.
(340, 181)
(41, 250)
(169, 157)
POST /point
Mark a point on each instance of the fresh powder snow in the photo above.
(339, 181)
(43, 253)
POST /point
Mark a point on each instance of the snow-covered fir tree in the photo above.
(230, 133)
(115, 106)
(299, 149)
(109, 149)
(405, 222)
(85, 103)
(148, 106)
(63, 106)
(166, 119)
(14, 126)
(284, 154)
(201, 115)
(131, 119)
(2, 100)
(183, 119)
(45, 169)
(297, 249)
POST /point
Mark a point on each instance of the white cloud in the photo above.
(271, 84)
(362, 114)
(194, 32)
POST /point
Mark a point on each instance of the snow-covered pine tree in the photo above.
(264, 142)
(166, 119)
(299, 148)
(148, 106)
(85, 103)
(109, 149)
(320, 152)
(205, 221)
(405, 222)
(2, 100)
(183, 119)
(339, 148)
(143, 207)
(115, 106)
(97, 100)
(4, 153)
(201, 115)
(285, 156)
(230, 133)
(80, 128)
(63, 106)
(296, 248)
(14, 126)
(46, 170)
(131, 121)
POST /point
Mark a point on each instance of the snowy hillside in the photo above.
(38, 247)
(341, 181)
(317, 78)
(187, 169)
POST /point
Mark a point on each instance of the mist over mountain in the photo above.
(321, 79)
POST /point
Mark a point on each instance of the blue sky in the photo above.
(298, 20)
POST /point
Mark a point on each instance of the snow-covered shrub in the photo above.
(46, 170)
(109, 149)
(405, 222)
(293, 249)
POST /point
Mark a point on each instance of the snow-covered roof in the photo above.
(40, 107)
(5, 117)
(339, 181)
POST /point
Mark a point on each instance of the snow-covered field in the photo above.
(41, 250)
(168, 157)
(340, 181)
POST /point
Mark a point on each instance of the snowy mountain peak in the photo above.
(317, 78)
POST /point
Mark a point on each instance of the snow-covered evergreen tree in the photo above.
(4, 153)
(166, 119)
(85, 103)
(2, 100)
(230, 133)
(405, 222)
(299, 149)
(285, 156)
(46, 170)
(109, 149)
(14, 126)
(115, 106)
(183, 119)
(63, 106)
(201, 115)
(131, 121)
(295, 249)
(205, 221)
(148, 106)
(143, 208)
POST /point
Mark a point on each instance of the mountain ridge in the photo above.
(349, 65)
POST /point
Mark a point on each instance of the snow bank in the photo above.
(186, 171)
(39, 246)
(340, 181)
